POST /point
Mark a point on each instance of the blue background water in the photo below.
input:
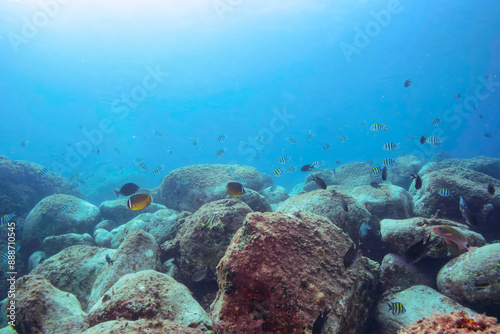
(228, 72)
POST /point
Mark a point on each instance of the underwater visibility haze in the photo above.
(195, 130)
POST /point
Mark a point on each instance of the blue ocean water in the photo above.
(81, 76)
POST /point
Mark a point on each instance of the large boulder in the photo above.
(261, 290)
(23, 185)
(485, 165)
(474, 282)
(471, 185)
(56, 215)
(279, 194)
(326, 203)
(402, 234)
(138, 252)
(354, 174)
(205, 183)
(42, 308)
(395, 272)
(255, 201)
(141, 326)
(75, 269)
(384, 201)
(419, 301)
(162, 225)
(54, 244)
(149, 295)
(117, 211)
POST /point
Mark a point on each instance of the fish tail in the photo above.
(117, 192)
(471, 250)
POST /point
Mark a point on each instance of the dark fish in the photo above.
(491, 189)
(319, 182)
(320, 322)
(418, 180)
(352, 256)
(307, 168)
(417, 251)
(235, 189)
(396, 308)
(466, 213)
(423, 140)
(408, 83)
(127, 189)
(200, 275)
(366, 230)
(457, 96)
(384, 173)
(375, 185)
(343, 205)
(139, 201)
(108, 260)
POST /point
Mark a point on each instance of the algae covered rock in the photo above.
(419, 301)
(24, 184)
(402, 234)
(261, 289)
(326, 203)
(255, 201)
(354, 174)
(75, 269)
(384, 200)
(58, 214)
(42, 308)
(139, 251)
(188, 188)
(472, 186)
(474, 282)
(484, 165)
(396, 272)
(54, 244)
(149, 295)
(117, 211)
(141, 326)
(275, 196)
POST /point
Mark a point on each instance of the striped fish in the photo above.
(434, 141)
(291, 169)
(391, 163)
(183, 181)
(273, 188)
(390, 146)
(6, 218)
(143, 166)
(43, 172)
(317, 164)
(221, 138)
(436, 121)
(278, 172)
(396, 308)
(376, 171)
(74, 177)
(343, 139)
(242, 180)
(158, 170)
(379, 127)
(445, 192)
(65, 207)
(291, 140)
(73, 186)
(220, 153)
(283, 160)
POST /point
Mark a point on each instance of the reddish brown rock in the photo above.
(143, 326)
(282, 269)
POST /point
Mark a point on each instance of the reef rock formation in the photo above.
(324, 174)
(402, 234)
(354, 174)
(278, 195)
(282, 270)
(56, 215)
(474, 282)
(188, 188)
(162, 225)
(117, 210)
(326, 203)
(42, 308)
(142, 326)
(384, 200)
(23, 185)
(139, 251)
(484, 165)
(471, 185)
(255, 201)
(395, 272)
(54, 244)
(75, 269)
(419, 301)
(149, 295)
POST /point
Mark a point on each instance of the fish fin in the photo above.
(471, 250)
(461, 247)
(117, 192)
(448, 242)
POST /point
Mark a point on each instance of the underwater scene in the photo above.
(236, 166)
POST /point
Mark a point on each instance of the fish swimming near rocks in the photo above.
(384, 173)
(139, 201)
(368, 230)
(396, 308)
(449, 235)
(417, 250)
(200, 275)
(319, 181)
(352, 255)
(127, 189)
(466, 213)
(307, 168)
(423, 140)
(108, 260)
(235, 189)
(320, 322)
(418, 180)
(343, 205)
(491, 189)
